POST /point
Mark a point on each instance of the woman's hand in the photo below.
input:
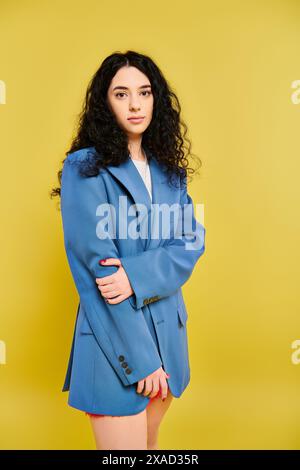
(153, 382)
(116, 285)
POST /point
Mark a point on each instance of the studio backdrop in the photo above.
(235, 67)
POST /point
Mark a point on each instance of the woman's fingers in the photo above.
(114, 285)
(164, 387)
(110, 295)
(107, 288)
(155, 388)
(111, 262)
(140, 386)
(116, 300)
(148, 387)
(155, 382)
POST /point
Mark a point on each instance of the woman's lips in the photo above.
(136, 120)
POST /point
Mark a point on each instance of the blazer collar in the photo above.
(129, 176)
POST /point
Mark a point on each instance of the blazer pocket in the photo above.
(181, 309)
(182, 314)
(85, 328)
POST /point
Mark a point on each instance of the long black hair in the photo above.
(97, 127)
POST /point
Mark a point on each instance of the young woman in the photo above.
(125, 171)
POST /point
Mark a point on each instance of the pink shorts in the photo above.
(153, 398)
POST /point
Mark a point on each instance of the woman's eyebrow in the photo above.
(126, 88)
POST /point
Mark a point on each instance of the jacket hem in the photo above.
(94, 411)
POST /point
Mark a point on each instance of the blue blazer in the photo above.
(116, 345)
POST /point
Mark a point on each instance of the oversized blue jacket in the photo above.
(116, 345)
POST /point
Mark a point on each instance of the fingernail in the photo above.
(102, 260)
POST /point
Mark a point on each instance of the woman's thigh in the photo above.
(120, 432)
(156, 410)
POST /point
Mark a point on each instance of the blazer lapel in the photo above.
(162, 193)
(129, 176)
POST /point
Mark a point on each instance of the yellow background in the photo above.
(232, 64)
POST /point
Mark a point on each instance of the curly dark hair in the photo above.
(97, 127)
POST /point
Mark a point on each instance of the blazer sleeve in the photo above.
(120, 330)
(159, 272)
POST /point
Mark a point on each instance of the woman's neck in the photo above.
(137, 153)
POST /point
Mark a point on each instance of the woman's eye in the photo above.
(121, 93)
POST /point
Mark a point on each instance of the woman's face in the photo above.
(130, 95)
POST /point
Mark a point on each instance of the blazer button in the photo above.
(128, 371)
(124, 364)
(121, 358)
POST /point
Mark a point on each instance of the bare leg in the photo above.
(155, 413)
(119, 433)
